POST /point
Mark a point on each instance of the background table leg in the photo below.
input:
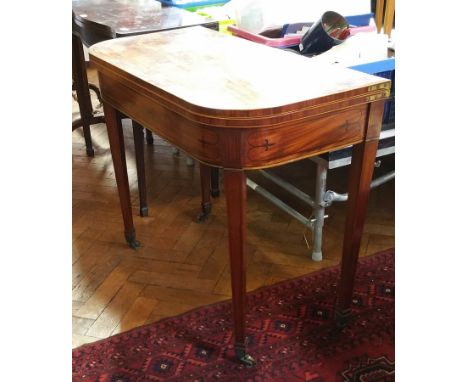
(138, 138)
(214, 182)
(116, 141)
(149, 137)
(205, 192)
(236, 199)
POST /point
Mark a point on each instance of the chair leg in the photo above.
(80, 81)
(379, 14)
(88, 141)
(138, 139)
(388, 18)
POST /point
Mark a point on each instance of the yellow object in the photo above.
(223, 23)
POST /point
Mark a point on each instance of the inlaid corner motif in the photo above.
(384, 91)
(266, 145)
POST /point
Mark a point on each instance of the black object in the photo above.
(294, 28)
(324, 34)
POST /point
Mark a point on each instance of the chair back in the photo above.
(89, 31)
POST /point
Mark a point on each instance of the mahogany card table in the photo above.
(238, 105)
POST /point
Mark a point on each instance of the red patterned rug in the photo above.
(290, 334)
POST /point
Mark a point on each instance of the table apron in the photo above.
(240, 148)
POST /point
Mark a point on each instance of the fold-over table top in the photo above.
(204, 72)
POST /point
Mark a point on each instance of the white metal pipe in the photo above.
(319, 210)
(279, 203)
(288, 187)
(332, 196)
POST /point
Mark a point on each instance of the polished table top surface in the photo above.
(206, 74)
(129, 17)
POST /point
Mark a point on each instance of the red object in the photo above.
(344, 34)
(290, 330)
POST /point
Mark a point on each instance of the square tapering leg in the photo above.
(236, 199)
(116, 140)
(360, 177)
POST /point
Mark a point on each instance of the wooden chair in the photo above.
(87, 117)
(385, 15)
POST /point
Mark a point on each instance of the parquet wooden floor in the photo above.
(181, 264)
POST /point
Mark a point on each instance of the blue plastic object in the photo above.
(376, 66)
(359, 20)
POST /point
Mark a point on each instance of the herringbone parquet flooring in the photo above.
(182, 264)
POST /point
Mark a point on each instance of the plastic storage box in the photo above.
(283, 42)
(289, 40)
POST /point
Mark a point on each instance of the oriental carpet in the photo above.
(291, 334)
